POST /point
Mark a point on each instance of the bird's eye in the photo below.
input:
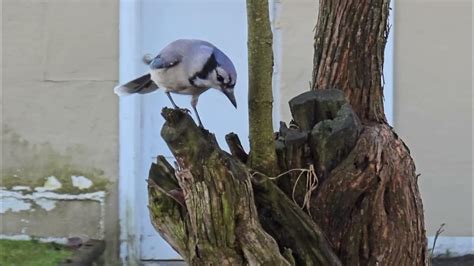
(220, 78)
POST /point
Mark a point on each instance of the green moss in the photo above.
(31, 253)
(166, 211)
(228, 213)
(161, 204)
(36, 178)
(29, 165)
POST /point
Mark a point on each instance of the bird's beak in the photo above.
(229, 92)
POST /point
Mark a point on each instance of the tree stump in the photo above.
(213, 209)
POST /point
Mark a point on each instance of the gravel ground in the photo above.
(467, 260)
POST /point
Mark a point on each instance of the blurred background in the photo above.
(75, 157)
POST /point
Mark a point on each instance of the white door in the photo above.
(145, 27)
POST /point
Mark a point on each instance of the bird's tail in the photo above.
(141, 85)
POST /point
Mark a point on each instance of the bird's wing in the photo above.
(165, 60)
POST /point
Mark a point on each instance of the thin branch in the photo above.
(260, 38)
(438, 233)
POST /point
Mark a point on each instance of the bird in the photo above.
(189, 67)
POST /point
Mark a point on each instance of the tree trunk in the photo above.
(349, 52)
(347, 193)
(369, 206)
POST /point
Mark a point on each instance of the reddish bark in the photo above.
(349, 52)
(369, 206)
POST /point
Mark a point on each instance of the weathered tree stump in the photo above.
(218, 222)
(214, 210)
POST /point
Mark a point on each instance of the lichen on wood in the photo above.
(218, 221)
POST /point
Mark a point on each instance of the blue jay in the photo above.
(188, 67)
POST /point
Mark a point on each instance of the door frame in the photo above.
(129, 131)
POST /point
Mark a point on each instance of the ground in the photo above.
(31, 253)
(455, 261)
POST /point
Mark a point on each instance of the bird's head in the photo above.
(224, 76)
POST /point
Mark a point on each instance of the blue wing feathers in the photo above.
(159, 62)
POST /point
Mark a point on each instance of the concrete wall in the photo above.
(433, 96)
(295, 22)
(433, 105)
(60, 116)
